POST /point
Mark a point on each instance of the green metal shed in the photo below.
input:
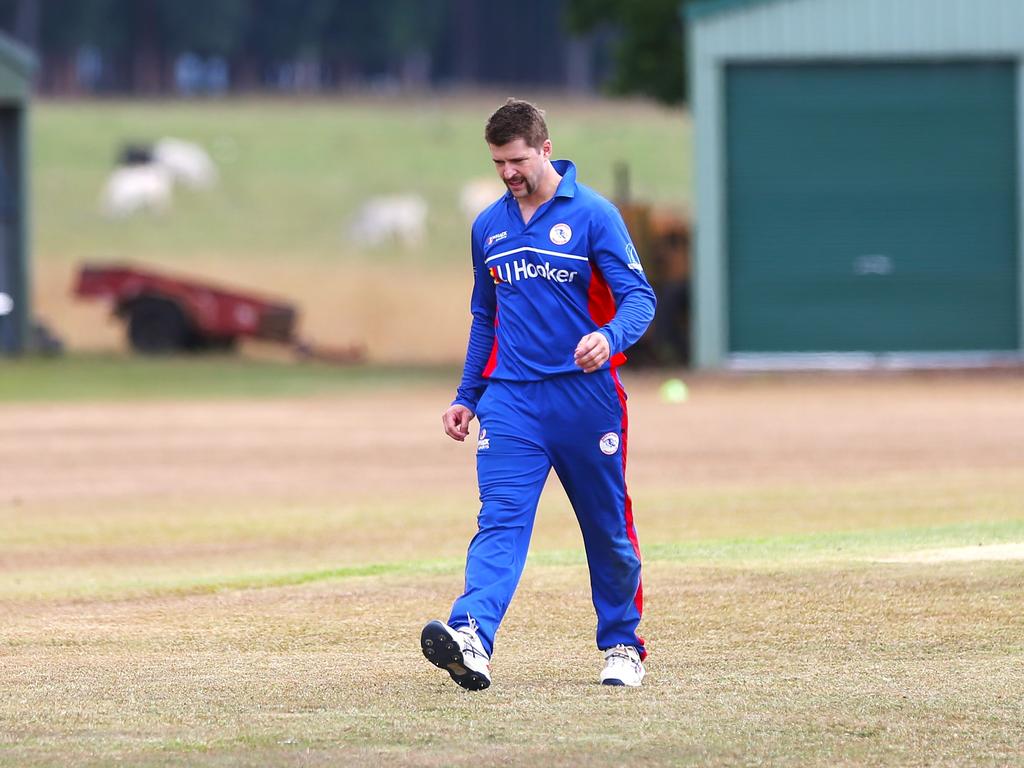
(16, 67)
(858, 167)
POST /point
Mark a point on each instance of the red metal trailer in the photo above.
(169, 314)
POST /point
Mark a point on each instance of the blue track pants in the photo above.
(577, 424)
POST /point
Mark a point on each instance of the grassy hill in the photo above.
(292, 172)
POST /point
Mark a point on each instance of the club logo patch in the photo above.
(560, 234)
(633, 258)
(609, 443)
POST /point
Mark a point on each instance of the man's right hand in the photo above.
(456, 422)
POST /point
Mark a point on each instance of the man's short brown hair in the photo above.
(516, 119)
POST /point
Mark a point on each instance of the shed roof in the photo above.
(16, 56)
(701, 8)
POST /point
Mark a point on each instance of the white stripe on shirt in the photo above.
(535, 250)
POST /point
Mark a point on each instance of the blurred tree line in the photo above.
(649, 52)
(157, 47)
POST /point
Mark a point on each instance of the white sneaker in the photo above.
(460, 652)
(622, 666)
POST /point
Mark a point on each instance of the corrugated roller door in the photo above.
(872, 207)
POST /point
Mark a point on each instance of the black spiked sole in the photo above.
(443, 651)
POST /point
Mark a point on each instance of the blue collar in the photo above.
(567, 186)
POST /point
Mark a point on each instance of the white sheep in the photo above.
(396, 217)
(134, 188)
(188, 163)
(477, 194)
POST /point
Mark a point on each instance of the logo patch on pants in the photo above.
(483, 442)
(609, 443)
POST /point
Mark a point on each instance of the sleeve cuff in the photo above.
(606, 332)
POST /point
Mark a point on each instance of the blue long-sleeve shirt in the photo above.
(539, 288)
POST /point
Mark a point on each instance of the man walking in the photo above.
(559, 293)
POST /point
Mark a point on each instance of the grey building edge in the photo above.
(704, 8)
(710, 310)
(17, 68)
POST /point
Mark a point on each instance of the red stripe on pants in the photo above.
(638, 600)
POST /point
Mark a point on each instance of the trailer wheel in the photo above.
(157, 326)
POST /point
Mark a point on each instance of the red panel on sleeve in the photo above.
(492, 361)
(601, 304)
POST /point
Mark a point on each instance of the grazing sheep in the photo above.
(477, 194)
(134, 188)
(188, 163)
(396, 217)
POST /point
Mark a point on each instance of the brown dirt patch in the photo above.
(786, 429)
(369, 477)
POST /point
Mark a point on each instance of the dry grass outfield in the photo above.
(242, 583)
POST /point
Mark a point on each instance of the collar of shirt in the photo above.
(567, 186)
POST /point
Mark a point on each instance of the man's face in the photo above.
(521, 166)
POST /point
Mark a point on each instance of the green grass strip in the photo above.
(839, 545)
(113, 378)
(297, 578)
(748, 552)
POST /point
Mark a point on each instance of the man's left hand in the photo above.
(592, 352)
